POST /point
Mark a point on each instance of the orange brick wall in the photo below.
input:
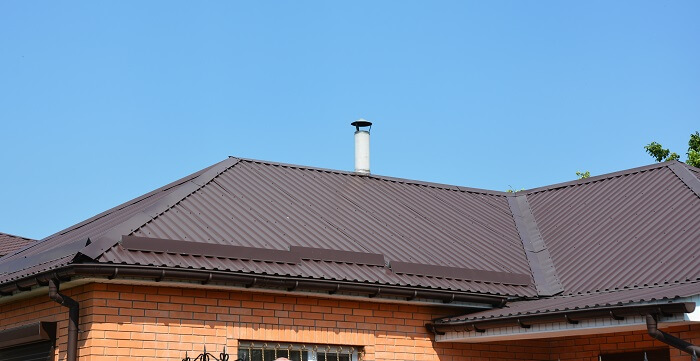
(587, 348)
(43, 309)
(122, 322)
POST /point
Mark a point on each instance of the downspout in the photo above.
(673, 341)
(73, 317)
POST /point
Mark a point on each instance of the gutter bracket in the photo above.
(476, 329)
(521, 324)
(569, 320)
(431, 328)
(615, 317)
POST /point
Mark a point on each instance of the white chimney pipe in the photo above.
(362, 146)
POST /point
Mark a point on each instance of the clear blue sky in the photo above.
(103, 101)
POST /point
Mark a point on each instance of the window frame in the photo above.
(314, 350)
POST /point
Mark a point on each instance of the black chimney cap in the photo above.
(361, 123)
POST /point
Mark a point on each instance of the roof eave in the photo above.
(248, 280)
(569, 316)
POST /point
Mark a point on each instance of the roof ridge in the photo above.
(631, 288)
(15, 236)
(182, 191)
(381, 177)
(171, 185)
(692, 168)
(688, 177)
(601, 177)
(471, 189)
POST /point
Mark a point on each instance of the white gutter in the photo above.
(563, 329)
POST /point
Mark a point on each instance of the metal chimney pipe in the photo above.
(362, 145)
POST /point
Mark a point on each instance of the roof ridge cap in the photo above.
(182, 191)
(689, 178)
(380, 177)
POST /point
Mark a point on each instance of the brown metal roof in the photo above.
(11, 243)
(577, 302)
(271, 206)
(630, 229)
(618, 230)
(55, 245)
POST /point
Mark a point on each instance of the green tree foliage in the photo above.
(694, 150)
(658, 152)
(583, 175)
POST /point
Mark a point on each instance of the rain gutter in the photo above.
(247, 280)
(438, 327)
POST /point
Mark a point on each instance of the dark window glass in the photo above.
(39, 351)
(332, 356)
(256, 354)
(651, 355)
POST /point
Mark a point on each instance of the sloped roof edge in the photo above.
(557, 305)
(113, 236)
(601, 177)
(683, 172)
(616, 312)
(130, 202)
(10, 243)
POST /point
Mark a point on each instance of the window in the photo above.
(257, 351)
(32, 342)
(38, 351)
(648, 355)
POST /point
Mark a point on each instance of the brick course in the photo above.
(121, 322)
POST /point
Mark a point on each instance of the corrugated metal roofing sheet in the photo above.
(623, 297)
(90, 228)
(323, 270)
(10, 243)
(627, 230)
(36, 269)
(265, 206)
(692, 169)
(618, 230)
(99, 224)
(261, 205)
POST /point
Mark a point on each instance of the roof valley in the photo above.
(543, 271)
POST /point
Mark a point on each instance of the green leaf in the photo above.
(657, 151)
(583, 175)
(693, 158)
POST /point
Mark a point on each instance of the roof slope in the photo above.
(10, 243)
(248, 203)
(619, 230)
(625, 238)
(623, 230)
(59, 249)
(579, 302)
